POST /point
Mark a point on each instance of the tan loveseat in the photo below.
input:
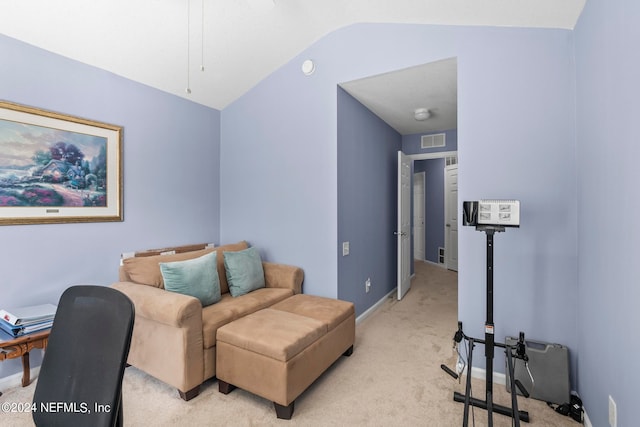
(174, 337)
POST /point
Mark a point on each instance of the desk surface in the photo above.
(7, 340)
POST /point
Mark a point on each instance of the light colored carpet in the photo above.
(393, 378)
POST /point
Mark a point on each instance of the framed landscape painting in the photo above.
(56, 168)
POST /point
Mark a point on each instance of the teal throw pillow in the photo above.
(244, 271)
(197, 277)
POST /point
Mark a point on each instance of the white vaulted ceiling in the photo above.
(243, 40)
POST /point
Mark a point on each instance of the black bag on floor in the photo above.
(572, 409)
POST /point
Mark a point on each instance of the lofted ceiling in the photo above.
(165, 43)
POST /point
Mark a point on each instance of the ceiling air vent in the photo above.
(433, 141)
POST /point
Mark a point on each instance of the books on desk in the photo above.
(26, 315)
(26, 320)
(17, 331)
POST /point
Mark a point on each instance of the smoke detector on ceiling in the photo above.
(421, 114)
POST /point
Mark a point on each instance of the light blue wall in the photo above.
(520, 145)
(367, 208)
(516, 136)
(171, 190)
(607, 70)
(279, 173)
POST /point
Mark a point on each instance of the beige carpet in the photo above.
(393, 378)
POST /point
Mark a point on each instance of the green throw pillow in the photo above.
(244, 271)
(197, 277)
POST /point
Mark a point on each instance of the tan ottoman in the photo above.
(278, 352)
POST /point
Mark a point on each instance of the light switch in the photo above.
(345, 248)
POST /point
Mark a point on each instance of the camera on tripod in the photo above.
(504, 213)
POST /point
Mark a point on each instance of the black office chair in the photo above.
(80, 380)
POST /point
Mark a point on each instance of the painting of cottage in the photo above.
(42, 166)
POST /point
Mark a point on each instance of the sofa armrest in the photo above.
(161, 306)
(283, 276)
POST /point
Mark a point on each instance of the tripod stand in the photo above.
(489, 343)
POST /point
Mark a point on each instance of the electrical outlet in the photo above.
(367, 285)
(613, 413)
(345, 248)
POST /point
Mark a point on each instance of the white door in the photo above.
(451, 216)
(404, 223)
(418, 216)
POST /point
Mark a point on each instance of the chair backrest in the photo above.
(80, 380)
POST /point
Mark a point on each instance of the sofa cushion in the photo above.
(229, 309)
(146, 270)
(221, 250)
(276, 334)
(244, 271)
(197, 277)
(330, 311)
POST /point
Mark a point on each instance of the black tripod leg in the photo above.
(514, 398)
(466, 398)
(489, 329)
(467, 391)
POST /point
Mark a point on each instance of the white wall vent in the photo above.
(440, 255)
(433, 141)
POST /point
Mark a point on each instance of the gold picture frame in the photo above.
(57, 168)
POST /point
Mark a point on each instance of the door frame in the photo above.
(412, 158)
(428, 156)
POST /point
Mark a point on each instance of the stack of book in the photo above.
(26, 320)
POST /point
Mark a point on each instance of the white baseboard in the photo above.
(480, 373)
(374, 307)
